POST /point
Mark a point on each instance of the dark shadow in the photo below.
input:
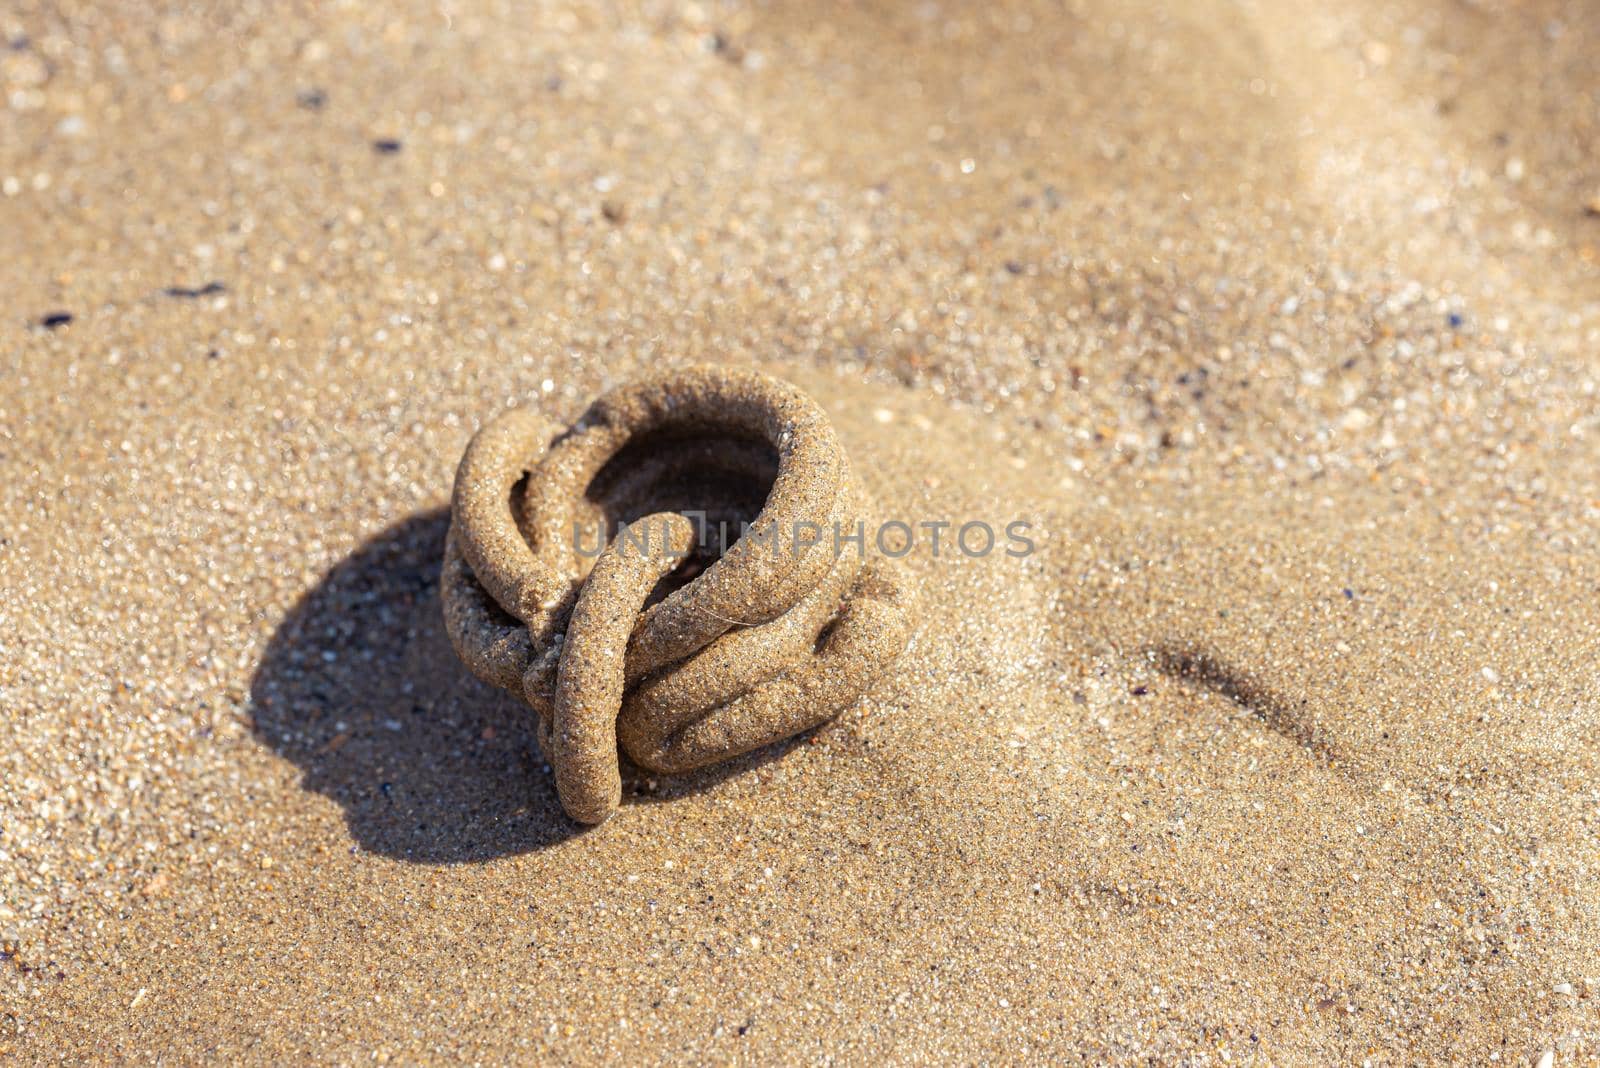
(361, 689)
(1205, 670)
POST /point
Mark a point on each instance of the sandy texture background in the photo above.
(1279, 319)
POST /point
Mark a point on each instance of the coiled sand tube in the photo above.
(731, 473)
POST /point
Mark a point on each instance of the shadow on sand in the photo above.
(360, 688)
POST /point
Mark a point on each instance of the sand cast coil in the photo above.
(725, 613)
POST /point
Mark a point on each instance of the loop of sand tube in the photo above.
(589, 684)
(750, 583)
(775, 636)
(496, 459)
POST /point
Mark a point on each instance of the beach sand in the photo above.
(1278, 322)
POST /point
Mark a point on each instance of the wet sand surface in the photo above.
(1279, 325)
